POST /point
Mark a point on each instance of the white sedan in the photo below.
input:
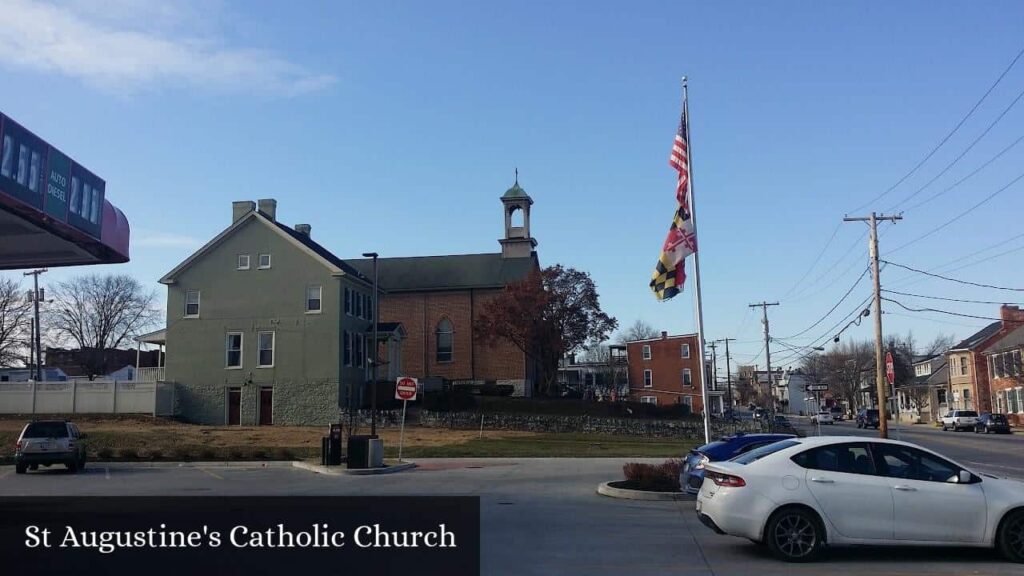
(796, 496)
(822, 418)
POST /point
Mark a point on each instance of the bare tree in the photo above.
(939, 344)
(639, 330)
(100, 313)
(15, 318)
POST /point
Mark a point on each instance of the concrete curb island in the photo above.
(340, 471)
(606, 489)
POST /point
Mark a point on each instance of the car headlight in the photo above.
(700, 463)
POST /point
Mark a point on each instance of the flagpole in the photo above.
(696, 270)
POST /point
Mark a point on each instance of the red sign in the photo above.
(405, 388)
(890, 368)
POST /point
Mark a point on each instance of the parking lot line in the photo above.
(215, 475)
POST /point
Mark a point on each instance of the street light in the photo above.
(374, 316)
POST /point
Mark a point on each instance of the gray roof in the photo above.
(457, 272)
(978, 337)
(1014, 339)
(324, 253)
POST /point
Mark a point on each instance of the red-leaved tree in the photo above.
(553, 312)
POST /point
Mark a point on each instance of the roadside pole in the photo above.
(401, 433)
(767, 357)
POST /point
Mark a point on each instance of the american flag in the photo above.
(670, 272)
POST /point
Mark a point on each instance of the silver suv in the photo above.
(49, 442)
(959, 420)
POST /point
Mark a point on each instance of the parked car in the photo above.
(48, 442)
(691, 475)
(992, 423)
(960, 420)
(797, 495)
(837, 413)
(867, 418)
(823, 417)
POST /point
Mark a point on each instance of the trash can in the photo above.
(375, 455)
(359, 450)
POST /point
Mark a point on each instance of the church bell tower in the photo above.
(517, 242)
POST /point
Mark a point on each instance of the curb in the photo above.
(339, 471)
(206, 464)
(605, 489)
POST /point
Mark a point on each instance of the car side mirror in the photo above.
(965, 477)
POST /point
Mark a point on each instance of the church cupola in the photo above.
(517, 242)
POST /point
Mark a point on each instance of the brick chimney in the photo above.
(303, 229)
(269, 208)
(1011, 314)
(240, 208)
(664, 335)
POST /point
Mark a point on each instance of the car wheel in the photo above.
(20, 468)
(1010, 539)
(794, 535)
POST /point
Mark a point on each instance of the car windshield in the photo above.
(758, 453)
(967, 413)
(998, 418)
(711, 447)
(46, 430)
(871, 413)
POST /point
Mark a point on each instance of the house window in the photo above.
(192, 303)
(648, 379)
(685, 348)
(687, 377)
(357, 347)
(649, 400)
(348, 301)
(688, 401)
(963, 366)
(243, 261)
(234, 350)
(647, 352)
(264, 262)
(444, 340)
(313, 298)
(266, 350)
(357, 304)
(1013, 397)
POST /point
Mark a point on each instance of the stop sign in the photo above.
(890, 368)
(405, 388)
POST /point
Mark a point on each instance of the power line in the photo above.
(961, 215)
(833, 309)
(950, 299)
(947, 137)
(962, 180)
(815, 263)
(803, 294)
(936, 320)
(909, 309)
(966, 150)
(954, 279)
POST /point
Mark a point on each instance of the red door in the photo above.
(234, 406)
(266, 406)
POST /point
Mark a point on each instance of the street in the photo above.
(998, 454)
(539, 516)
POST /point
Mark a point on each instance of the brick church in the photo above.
(437, 300)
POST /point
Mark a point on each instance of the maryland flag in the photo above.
(670, 273)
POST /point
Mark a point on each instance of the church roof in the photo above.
(456, 272)
(516, 191)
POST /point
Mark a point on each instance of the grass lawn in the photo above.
(146, 438)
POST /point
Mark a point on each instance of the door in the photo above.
(234, 406)
(266, 406)
(929, 504)
(842, 479)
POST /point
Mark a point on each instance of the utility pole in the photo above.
(38, 377)
(728, 372)
(767, 356)
(880, 383)
(714, 364)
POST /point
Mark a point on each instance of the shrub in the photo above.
(235, 453)
(104, 453)
(207, 454)
(654, 477)
(259, 454)
(182, 454)
(128, 454)
(284, 454)
(156, 454)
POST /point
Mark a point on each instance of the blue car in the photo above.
(691, 475)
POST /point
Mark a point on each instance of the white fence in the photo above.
(87, 397)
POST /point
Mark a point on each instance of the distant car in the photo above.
(760, 413)
(797, 496)
(781, 420)
(837, 413)
(691, 475)
(867, 418)
(48, 442)
(958, 420)
(823, 417)
(992, 423)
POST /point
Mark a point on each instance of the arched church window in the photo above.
(445, 337)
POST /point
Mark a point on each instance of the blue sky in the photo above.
(395, 127)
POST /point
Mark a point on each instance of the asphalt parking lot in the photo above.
(539, 516)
